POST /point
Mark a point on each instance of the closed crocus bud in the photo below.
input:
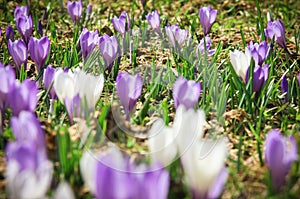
(48, 78)
(119, 23)
(23, 97)
(40, 28)
(109, 49)
(280, 153)
(129, 89)
(207, 18)
(276, 29)
(7, 81)
(20, 11)
(9, 32)
(299, 79)
(64, 191)
(260, 77)
(240, 62)
(176, 35)
(39, 50)
(186, 92)
(88, 12)
(285, 87)
(75, 10)
(18, 52)
(24, 26)
(259, 52)
(88, 41)
(201, 48)
(28, 171)
(154, 20)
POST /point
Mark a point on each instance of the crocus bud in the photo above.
(88, 12)
(75, 10)
(201, 48)
(40, 28)
(260, 77)
(285, 87)
(23, 97)
(20, 11)
(9, 32)
(7, 80)
(39, 50)
(207, 18)
(24, 26)
(186, 92)
(129, 89)
(276, 29)
(176, 35)
(280, 153)
(48, 79)
(109, 49)
(259, 52)
(18, 52)
(88, 41)
(299, 79)
(240, 62)
(154, 20)
(119, 23)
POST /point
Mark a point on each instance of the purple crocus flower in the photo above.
(48, 79)
(260, 77)
(280, 153)
(74, 107)
(119, 23)
(186, 92)
(39, 50)
(299, 79)
(207, 18)
(259, 52)
(285, 87)
(7, 80)
(20, 11)
(88, 12)
(201, 49)
(9, 32)
(129, 89)
(276, 29)
(24, 26)
(75, 10)
(23, 97)
(18, 52)
(40, 28)
(109, 49)
(154, 20)
(88, 41)
(176, 35)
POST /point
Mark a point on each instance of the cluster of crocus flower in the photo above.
(176, 35)
(129, 89)
(112, 175)
(280, 153)
(202, 160)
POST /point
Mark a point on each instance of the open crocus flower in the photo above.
(260, 77)
(201, 49)
(176, 35)
(240, 62)
(23, 96)
(75, 10)
(25, 26)
(119, 23)
(186, 92)
(39, 50)
(129, 89)
(109, 49)
(153, 19)
(259, 52)
(207, 18)
(20, 11)
(28, 171)
(9, 32)
(280, 153)
(276, 29)
(18, 52)
(88, 41)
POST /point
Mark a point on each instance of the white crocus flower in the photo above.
(64, 191)
(240, 62)
(88, 164)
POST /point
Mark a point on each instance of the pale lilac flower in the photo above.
(176, 35)
(186, 92)
(23, 97)
(20, 11)
(75, 10)
(88, 41)
(109, 49)
(119, 23)
(285, 87)
(7, 80)
(25, 26)
(280, 153)
(207, 18)
(88, 12)
(201, 48)
(259, 52)
(260, 77)
(39, 50)
(276, 29)
(154, 20)
(9, 32)
(129, 89)
(18, 52)
(240, 62)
